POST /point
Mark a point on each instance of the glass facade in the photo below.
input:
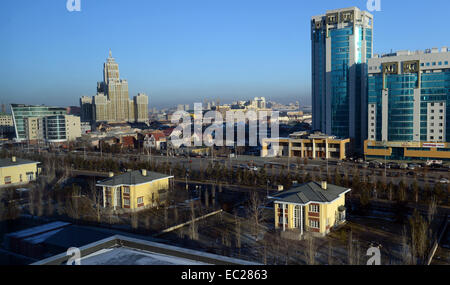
(20, 112)
(435, 88)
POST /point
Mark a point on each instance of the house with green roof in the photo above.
(311, 207)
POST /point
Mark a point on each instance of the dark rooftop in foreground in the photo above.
(121, 250)
(6, 162)
(132, 178)
(310, 192)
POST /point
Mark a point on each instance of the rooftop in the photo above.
(418, 52)
(311, 192)
(121, 250)
(7, 162)
(133, 178)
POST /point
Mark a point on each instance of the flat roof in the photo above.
(121, 250)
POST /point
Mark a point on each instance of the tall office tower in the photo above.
(141, 108)
(341, 46)
(409, 105)
(21, 112)
(86, 109)
(101, 107)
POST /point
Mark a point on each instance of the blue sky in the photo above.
(181, 51)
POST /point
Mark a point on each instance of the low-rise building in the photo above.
(135, 190)
(306, 145)
(312, 207)
(15, 171)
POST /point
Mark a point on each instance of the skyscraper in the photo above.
(112, 103)
(341, 45)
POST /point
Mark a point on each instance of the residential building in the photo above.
(141, 108)
(409, 105)
(306, 145)
(342, 43)
(21, 112)
(73, 127)
(135, 190)
(15, 171)
(312, 207)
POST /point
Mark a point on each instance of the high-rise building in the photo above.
(341, 45)
(86, 109)
(409, 105)
(141, 108)
(112, 102)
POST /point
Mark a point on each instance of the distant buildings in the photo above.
(312, 207)
(135, 190)
(43, 123)
(6, 125)
(15, 171)
(409, 105)
(306, 145)
(342, 42)
(112, 103)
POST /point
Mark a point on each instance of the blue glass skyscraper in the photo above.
(342, 42)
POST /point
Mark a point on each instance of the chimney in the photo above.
(13, 159)
(324, 185)
(144, 172)
(111, 174)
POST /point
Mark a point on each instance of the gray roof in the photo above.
(310, 192)
(132, 178)
(6, 162)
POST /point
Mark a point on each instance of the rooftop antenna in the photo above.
(110, 53)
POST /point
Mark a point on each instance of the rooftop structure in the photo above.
(120, 250)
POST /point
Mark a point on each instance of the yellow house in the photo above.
(16, 171)
(135, 190)
(312, 207)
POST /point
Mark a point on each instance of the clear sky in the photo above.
(181, 51)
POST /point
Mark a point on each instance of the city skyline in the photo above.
(223, 50)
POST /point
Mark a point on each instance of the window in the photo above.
(440, 63)
(432, 117)
(440, 138)
(296, 216)
(440, 117)
(314, 224)
(126, 190)
(446, 63)
(7, 179)
(126, 202)
(30, 176)
(434, 63)
(140, 201)
(314, 208)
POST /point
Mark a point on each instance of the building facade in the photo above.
(15, 171)
(409, 105)
(342, 43)
(112, 103)
(306, 145)
(21, 112)
(136, 190)
(312, 207)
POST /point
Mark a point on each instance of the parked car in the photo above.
(444, 181)
(404, 166)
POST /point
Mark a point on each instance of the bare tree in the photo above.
(238, 232)
(432, 209)
(330, 253)
(311, 250)
(419, 236)
(134, 220)
(255, 212)
(193, 231)
(406, 253)
(350, 249)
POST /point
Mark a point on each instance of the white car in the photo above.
(444, 181)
